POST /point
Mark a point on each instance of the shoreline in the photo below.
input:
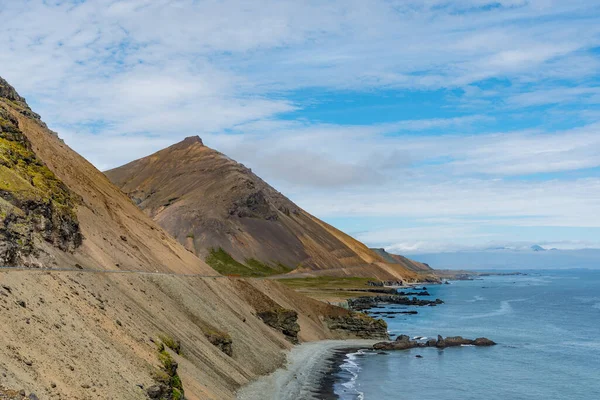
(308, 373)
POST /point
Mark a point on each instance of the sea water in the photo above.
(546, 324)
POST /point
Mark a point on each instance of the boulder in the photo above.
(403, 342)
(482, 341)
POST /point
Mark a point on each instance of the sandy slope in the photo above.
(300, 379)
(90, 333)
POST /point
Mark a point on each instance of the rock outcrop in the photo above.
(221, 340)
(36, 208)
(285, 321)
(358, 325)
(366, 302)
(404, 342)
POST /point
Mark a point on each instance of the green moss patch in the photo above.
(224, 263)
(35, 205)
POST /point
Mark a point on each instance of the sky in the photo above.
(418, 126)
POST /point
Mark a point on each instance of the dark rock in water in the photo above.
(483, 342)
(403, 338)
(366, 302)
(424, 293)
(419, 356)
(383, 353)
(403, 342)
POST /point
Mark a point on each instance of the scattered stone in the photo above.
(32, 396)
(119, 323)
(22, 303)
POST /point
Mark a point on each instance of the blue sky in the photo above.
(420, 126)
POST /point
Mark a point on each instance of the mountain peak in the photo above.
(191, 140)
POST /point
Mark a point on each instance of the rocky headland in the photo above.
(366, 302)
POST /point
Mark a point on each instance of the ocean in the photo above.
(546, 324)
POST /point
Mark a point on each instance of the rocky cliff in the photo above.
(37, 210)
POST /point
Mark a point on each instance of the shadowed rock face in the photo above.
(208, 201)
(285, 321)
(358, 325)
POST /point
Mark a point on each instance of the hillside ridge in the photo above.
(211, 203)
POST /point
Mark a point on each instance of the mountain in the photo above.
(537, 247)
(222, 211)
(398, 259)
(107, 305)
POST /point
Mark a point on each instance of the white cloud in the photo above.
(121, 79)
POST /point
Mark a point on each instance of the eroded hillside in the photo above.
(108, 326)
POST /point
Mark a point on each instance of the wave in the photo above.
(505, 308)
(476, 298)
(351, 367)
(596, 306)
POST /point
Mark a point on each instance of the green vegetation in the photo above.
(327, 282)
(329, 288)
(168, 375)
(171, 343)
(225, 264)
(33, 197)
(190, 235)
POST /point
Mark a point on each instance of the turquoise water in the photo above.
(547, 325)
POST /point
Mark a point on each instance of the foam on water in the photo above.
(351, 368)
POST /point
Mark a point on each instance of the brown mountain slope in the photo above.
(208, 201)
(99, 226)
(92, 331)
(410, 264)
